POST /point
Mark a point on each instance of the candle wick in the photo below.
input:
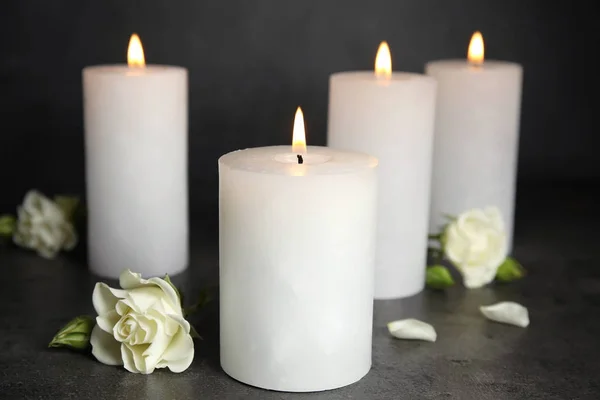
(300, 159)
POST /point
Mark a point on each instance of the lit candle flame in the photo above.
(383, 61)
(135, 52)
(299, 135)
(476, 49)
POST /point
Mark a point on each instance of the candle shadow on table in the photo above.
(79, 254)
(206, 322)
(390, 310)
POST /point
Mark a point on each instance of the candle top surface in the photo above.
(279, 160)
(464, 65)
(124, 69)
(370, 76)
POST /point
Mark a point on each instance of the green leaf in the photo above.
(203, 299)
(68, 205)
(510, 270)
(75, 334)
(194, 333)
(438, 277)
(8, 224)
(168, 280)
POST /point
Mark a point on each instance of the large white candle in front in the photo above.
(476, 135)
(297, 254)
(390, 115)
(136, 166)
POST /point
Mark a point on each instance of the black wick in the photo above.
(300, 159)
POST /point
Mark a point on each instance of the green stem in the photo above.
(434, 236)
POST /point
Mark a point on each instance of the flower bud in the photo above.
(75, 334)
(510, 270)
(438, 277)
(7, 225)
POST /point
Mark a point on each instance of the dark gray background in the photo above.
(252, 62)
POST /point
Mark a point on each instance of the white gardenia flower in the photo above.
(476, 244)
(42, 226)
(141, 326)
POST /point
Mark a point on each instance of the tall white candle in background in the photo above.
(297, 256)
(136, 166)
(476, 135)
(390, 115)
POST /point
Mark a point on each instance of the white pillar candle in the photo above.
(390, 115)
(136, 167)
(297, 253)
(476, 136)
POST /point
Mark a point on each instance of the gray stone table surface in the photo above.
(557, 357)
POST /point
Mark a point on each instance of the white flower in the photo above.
(141, 326)
(476, 244)
(412, 329)
(507, 312)
(42, 226)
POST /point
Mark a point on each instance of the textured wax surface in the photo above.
(297, 259)
(476, 139)
(319, 161)
(136, 149)
(555, 358)
(394, 121)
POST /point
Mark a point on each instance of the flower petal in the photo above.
(170, 293)
(412, 329)
(105, 298)
(476, 277)
(107, 321)
(140, 359)
(144, 298)
(128, 362)
(122, 329)
(495, 216)
(180, 347)
(183, 364)
(181, 322)
(457, 246)
(130, 280)
(123, 306)
(147, 328)
(49, 236)
(154, 352)
(50, 210)
(105, 348)
(32, 200)
(507, 312)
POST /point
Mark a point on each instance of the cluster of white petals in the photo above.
(42, 226)
(141, 326)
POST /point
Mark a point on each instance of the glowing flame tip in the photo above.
(135, 52)
(383, 61)
(476, 51)
(299, 135)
